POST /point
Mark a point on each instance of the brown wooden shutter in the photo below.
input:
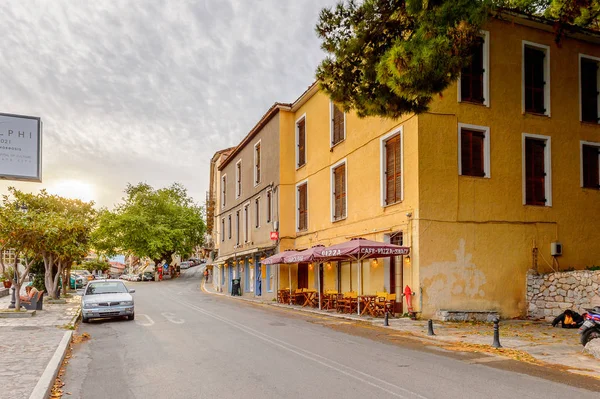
(534, 80)
(471, 79)
(472, 150)
(301, 142)
(338, 125)
(393, 171)
(257, 164)
(302, 207)
(340, 192)
(590, 166)
(269, 204)
(589, 90)
(535, 172)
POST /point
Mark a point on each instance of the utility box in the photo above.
(556, 248)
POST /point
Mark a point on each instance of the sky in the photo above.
(147, 91)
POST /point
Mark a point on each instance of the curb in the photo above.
(75, 318)
(46, 381)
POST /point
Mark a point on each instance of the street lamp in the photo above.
(13, 299)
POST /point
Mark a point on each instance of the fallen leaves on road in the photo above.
(505, 352)
(57, 389)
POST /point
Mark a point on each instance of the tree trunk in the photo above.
(48, 281)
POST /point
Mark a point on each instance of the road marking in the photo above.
(171, 317)
(339, 367)
(142, 323)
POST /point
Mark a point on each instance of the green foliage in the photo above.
(38, 270)
(151, 223)
(391, 57)
(593, 267)
(95, 264)
(9, 274)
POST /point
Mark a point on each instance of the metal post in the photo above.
(385, 320)
(13, 299)
(430, 327)
(496, 343)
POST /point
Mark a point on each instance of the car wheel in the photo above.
(85, 319)
(589, 335)
(131, 317)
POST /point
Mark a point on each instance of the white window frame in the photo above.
(589, 57)
(224, 191)
(486, 71)
(581, 144)
(547, 166)
(332, 188)
(247, 217)
(486, 148)
(258, 181)
(382, 158)
(269, 204)
(331, 145)
(297, 132)
(238, 179)
(257, 209)
(298, 205)
(546, 49)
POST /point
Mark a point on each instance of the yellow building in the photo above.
(500, 176)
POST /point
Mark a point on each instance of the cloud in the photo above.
(135, 91)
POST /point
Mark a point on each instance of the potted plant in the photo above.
(7, 277)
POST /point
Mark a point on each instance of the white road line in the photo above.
(307, 354)
(144, 324)
(171, 317)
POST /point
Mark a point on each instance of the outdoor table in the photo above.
(330, 301)
(368, 304)
(309, 297)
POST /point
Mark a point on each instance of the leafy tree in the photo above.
(391, 57)
(53, 228)
(151, 223)
(95, 264)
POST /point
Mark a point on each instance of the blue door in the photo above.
(230, 278)
(257, 273)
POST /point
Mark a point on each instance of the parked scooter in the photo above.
(591, 326)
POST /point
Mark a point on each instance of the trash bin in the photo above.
(236, 289)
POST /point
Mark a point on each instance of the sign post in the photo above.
(20, 147)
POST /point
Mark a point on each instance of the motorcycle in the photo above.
(590, 329)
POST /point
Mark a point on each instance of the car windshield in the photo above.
(106, 287)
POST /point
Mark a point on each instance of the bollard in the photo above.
(430, 327)
(496, 343)
(385, 320)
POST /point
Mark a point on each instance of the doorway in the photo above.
(302, 275)
(396, 273)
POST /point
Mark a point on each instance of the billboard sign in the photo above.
(20, 147)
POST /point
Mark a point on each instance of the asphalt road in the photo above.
(188, 344)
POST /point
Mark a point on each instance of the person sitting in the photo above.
(569, 319)
(31, 292)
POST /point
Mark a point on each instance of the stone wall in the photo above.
(548, 295)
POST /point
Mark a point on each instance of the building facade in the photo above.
(500, 176)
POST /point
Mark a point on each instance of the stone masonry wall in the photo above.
(548, 295)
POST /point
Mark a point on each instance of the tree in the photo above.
(52, 228)
(151, 223)
(391, 57)
(96, 264)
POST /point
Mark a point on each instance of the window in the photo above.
(222, 230)
(473, 84)
(391, 167)
(589, 89)
(302, 206)
(229, 227)
(338, 199)
(257, 212)
(590, 165)
(237, 227)
(238, 179)
(246, 222)
(473, 150)
(338, 124)
(536, 78)
(257, 163)
(301, 141)
(537, 171)
(223, 191)
(269, 205)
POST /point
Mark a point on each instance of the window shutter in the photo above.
(338, 125)
(339, 193)
(471, 79)
(589, 90)
(301, 142)
(257, 164)
(534, 80)
(590, 166)
(389, 172)
(343, 184)
(302, 207)
(535, 172)
(465, 152)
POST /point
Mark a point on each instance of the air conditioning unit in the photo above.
(556, 249)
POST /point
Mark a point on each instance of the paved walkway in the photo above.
(28, 344)
(533, 341)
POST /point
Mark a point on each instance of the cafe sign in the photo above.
(20, 147)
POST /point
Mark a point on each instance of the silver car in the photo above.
(106, 299)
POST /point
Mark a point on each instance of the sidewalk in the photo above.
(525, 340)
(28, 345)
